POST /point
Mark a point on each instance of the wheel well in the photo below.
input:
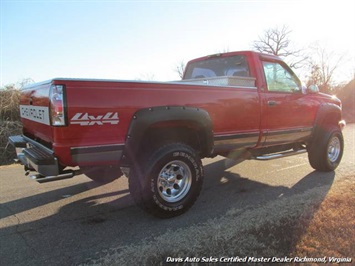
(157, 135)
(325, 121)
(329, 119)
(328, 115)
(156, 126)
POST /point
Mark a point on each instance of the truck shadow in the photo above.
(48, 197)
(234, 187)
(109, 219)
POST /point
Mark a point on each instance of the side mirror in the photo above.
(313, 89)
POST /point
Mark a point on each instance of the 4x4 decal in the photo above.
(84, 119)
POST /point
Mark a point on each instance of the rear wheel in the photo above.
(326, 151)
(170, 181)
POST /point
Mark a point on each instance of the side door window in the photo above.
(280, 79)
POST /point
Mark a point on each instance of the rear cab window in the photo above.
(230, 71)
(219, 67)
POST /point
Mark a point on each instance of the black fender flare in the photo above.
(145, 118)
(327, 114)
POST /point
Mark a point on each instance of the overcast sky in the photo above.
(143, 39)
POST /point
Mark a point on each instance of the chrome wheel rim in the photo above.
(174, 181)
(334, 149)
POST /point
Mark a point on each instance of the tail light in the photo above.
(57, 105)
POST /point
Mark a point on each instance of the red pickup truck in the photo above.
(156, 133)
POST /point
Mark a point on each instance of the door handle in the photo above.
(271, 103)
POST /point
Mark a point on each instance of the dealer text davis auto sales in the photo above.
(248, 259)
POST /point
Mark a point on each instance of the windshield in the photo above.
(218, 66)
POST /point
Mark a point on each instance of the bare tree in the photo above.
(323, 68)
(147, 76)
(224, 50)
(10, 100)
(274, 41)
(180, 68)
(23, 83)
(277, 41)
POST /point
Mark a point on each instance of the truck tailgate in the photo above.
(35, 112)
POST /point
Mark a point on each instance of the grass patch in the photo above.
(7, 152)
(331, 229)
(306, 224)
(9, 104)
(9, 123)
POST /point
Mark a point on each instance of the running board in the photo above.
(44, 179)
(279, 155)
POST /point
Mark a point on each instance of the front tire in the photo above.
(168, 183)
(326, 151)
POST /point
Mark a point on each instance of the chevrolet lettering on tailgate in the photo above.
(35, 113)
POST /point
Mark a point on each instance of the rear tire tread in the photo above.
(141, 181)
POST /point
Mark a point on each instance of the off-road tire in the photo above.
(326, 150)
(168, 182)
